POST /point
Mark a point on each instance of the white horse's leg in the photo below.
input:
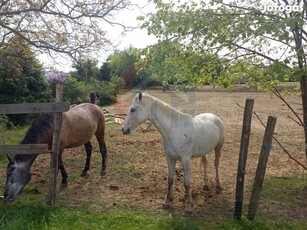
(187, 184)
(216, 164)
(171, 165)
(205, 164)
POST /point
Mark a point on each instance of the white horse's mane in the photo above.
(164, 107)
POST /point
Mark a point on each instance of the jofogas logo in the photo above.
(266, 6)
(271, 7)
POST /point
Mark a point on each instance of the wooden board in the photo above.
(24, 149)
(50, 107)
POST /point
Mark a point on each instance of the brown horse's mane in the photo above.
(39, 128)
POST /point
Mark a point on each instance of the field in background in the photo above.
(136, 180)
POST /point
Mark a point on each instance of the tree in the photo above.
(162, 63)
(75, 91)
(86, 69)
(21, 76)
(170, 62)
(70, 27)
(123, 64)
(256, 34)
(105, 72)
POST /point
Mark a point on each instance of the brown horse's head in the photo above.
(18, 176)
(18, 169)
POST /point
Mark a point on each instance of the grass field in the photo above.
(131, 195)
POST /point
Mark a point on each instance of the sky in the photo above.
(137, 38)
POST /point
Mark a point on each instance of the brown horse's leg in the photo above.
(104, 154)
(63, 171)
(88, 150)
(102, 145)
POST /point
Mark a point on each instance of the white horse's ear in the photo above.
(140, 96)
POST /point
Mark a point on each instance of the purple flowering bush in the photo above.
(58, 77)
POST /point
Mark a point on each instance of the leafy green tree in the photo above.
(21, 76)
(87, 79)
(105, 72)
(86, 69)
(75, 91)
(254, 37)
(162, 63)
(122, 65)
(170, 62)
(106, 92)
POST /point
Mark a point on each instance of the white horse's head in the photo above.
(18, 176)
(138, 113)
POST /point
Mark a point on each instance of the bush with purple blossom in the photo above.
(58, 77)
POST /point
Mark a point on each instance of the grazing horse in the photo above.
(183, 137)
(79, 125)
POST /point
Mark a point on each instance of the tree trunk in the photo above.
(302, 64)
(304, 104)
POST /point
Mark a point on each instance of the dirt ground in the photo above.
(137, 171)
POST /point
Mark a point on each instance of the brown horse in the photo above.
(79, 125)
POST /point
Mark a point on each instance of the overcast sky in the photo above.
(137, 38)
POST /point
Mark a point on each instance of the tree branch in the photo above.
(253, 51)
(278, 142)
(65, 26)
(275, 91)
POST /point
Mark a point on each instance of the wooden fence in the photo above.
(261, 168)
(56, 107)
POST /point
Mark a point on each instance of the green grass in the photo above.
(37, 216)
(12, 136)
(287, 190)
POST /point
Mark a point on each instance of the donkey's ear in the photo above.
(140, 96)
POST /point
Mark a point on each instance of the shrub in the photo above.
(106, 92)
(76, 92)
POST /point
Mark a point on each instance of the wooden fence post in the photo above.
(55, 148)
(260, 173)
(248, 112)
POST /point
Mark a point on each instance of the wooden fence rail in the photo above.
(52, 107)
(24, 149)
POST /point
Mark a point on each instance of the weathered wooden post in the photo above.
(248, 112)
(260, 173)
(55, 147)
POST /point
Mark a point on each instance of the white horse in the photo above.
(183, 136)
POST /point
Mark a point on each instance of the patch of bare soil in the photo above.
(137, 170)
